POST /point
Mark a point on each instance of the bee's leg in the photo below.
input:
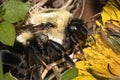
(34, 62)
(46, 53)
(59, 48)
(74, 37)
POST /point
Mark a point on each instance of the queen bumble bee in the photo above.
(49, 35)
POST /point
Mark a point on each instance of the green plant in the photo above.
(11, 11)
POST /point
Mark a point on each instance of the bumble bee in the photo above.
(52, 34)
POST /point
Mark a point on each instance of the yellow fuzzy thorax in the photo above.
(60, 18)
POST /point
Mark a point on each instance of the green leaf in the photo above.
(116, 42)
(8, 76)
(1, 69)
(2, 11)
(15, 10)
(114, 34)
(69, 74)
(7, 33)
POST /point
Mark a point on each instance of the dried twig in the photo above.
(50, 66)
(60, 69)
(37, 7)
(83, 7)
(67, 4)
(56, 72)
(53, 67)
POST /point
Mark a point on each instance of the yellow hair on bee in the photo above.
(23, 37)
